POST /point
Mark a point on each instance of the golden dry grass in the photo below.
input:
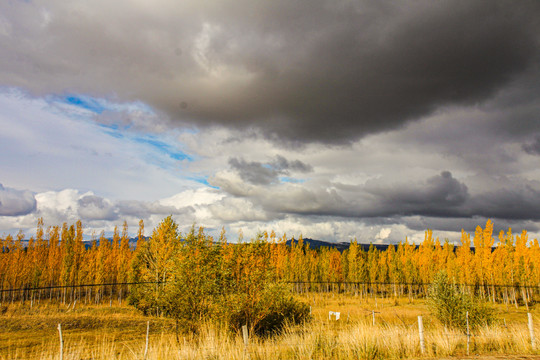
(118, 332)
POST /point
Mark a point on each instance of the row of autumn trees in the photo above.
(57, 256)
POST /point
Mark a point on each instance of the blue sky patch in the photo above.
(109, 126)
(165, 148)
(286, 179)
(202, 180)
(85, 102)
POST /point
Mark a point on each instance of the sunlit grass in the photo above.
(118, 332)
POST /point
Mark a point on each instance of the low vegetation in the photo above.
(456, 308)
(119, 332)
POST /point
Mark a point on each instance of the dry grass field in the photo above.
(119, 332)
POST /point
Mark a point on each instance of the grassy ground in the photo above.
(118, 332)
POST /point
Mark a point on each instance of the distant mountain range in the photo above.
(341, 246)
(313, 244)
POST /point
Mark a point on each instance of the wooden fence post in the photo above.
(61, 342)
(531, 331)
(421, 333)
(245, 335)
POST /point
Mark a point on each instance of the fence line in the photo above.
(28, 288)
(535, 287)
(409, 284)
(491, 292)
(86, 293)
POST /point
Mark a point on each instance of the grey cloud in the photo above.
(16, 202)
(294, 199)
(519, 200)
(532, 148)
(327, 72)
(467, 224)
(93, 207)
(254, 172)
(444, 197)
(258, 173)
(142, 210)
(441, 195)
(282, 164)
(230, 185)
(235, 209)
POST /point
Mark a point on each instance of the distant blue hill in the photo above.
(341, 246)
(313, 244)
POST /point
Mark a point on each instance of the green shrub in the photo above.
(450, 305)
(203, 281)
(275, 308)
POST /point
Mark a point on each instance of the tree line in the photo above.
(57, 256)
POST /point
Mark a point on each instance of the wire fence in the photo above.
(87, 293)
(119, 290)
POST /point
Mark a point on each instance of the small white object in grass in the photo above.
(335, 313)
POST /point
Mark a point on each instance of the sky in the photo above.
(335, 120)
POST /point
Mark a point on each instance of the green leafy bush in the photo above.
(276, 307)
(450, 305)
(206, 281)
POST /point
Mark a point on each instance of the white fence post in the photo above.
(421, 333)
(61, 342)
(531, 331)
(146, 346)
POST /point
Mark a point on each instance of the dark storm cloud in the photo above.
(511, 200)
(440, 195)
(467, 224)
(348, 70)
(517, 201)
(326, 71)
(258, 173)
(16, 202)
